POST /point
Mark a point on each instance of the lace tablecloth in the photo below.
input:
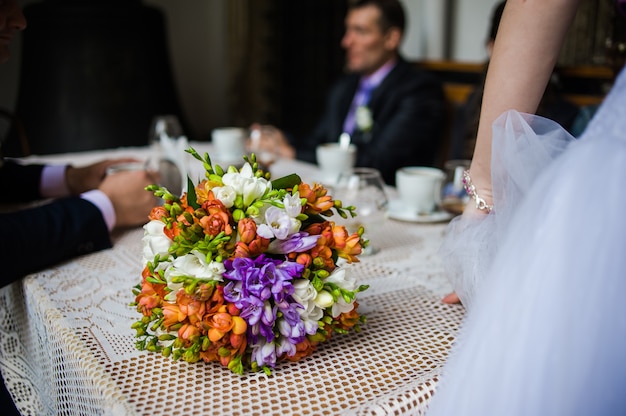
(66, 346)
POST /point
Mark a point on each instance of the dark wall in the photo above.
(309, 59)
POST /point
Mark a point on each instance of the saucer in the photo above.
(395, 212)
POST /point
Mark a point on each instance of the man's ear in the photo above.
(393, 38)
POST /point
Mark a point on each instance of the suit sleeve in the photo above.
(35, 238)
(19, 183)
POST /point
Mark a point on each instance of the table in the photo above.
(66, 346)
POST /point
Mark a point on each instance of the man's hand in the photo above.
(126, 190)
(90, 177)
(266, 138)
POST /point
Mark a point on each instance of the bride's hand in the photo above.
(451, 299)
(481, 195)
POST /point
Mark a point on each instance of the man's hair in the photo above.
(391, 12)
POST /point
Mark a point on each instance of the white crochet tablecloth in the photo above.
(66, 346)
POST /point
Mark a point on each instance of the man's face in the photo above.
(367, 47)
(11, 21)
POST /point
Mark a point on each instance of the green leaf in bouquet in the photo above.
(286, 182)
(192, 198)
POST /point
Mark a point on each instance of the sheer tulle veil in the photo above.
(545, 331)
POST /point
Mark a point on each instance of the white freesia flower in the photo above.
(246, 184)
(341, 306)
(277, 224)
(293, 206)
(154, 241)
(194, 264)
(324, 299)
(304, 292)
(310, 313)
(341, 278)
(226, 194)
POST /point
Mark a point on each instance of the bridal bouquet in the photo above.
(245, 271)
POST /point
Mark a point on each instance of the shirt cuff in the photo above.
(104, 204)
(53, 184)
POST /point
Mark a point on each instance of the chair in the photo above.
(93, 75)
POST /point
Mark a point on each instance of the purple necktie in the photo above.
(361, 97)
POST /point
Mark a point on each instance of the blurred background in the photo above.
(234, 62)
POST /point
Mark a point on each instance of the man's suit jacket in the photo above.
(408, 109)
(35, 238)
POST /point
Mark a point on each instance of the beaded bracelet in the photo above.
(471, 192)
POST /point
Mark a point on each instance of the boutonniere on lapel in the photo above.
(364, 119)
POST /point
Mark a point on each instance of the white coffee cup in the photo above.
(229, 144)
(334, 159)
(419, 188)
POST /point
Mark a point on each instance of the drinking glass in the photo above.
(264, 156)
(453, 195)
(164, 127)
(165, 124)
(363, 188)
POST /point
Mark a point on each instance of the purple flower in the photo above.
(284, 346)
(264, 353)
(262, 288)
(296, 243)
(252, 309)
(295, 333)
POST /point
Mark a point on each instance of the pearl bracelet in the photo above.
(471, 192)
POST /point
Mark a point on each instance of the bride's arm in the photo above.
(529, 38)
(527, 45)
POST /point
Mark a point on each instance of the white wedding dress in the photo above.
(544, 276)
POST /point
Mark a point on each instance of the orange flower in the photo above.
(236, 340)
(181, 218)
(202, 192)
(239, 325)
(247, 230)
(303, 349)
(348, 319)
(188, 333)
(216, 302)
(158, 212)
(190, 307)
(218, 218)
(145, 303)
(222, 321)
(242, 250)
(304, 259)
(323, 248)
(172, 315)
(348, 247)
(352, 249)
(151, 296)
(316, 199)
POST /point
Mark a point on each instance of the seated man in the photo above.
(393, 113)
(88, 205)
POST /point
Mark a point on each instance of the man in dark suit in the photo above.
(86, 204)
(89, 203)
(393, 112)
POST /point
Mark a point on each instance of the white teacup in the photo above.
(419, 188)
(334, 159)
(229, 144)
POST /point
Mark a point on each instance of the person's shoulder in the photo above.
(409, 74)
